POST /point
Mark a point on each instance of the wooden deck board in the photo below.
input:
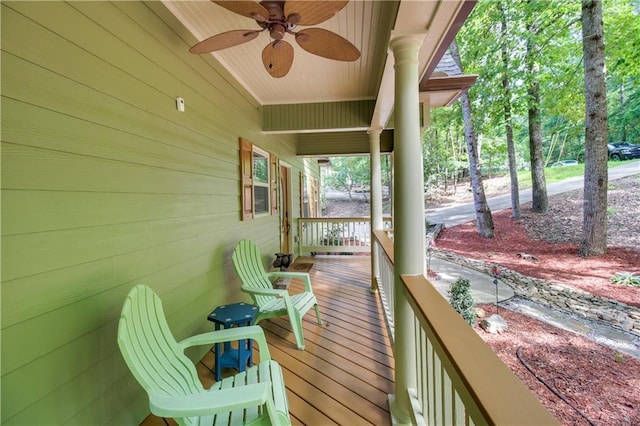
(341, 395)
(346, 371)
(318, 360)
(341, 356)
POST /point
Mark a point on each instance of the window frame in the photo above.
(248, 181)
(266, 185)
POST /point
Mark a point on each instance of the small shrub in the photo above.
(625, 278)
(461, 300)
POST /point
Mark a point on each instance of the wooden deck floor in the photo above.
(346, 371)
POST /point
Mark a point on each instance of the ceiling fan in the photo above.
(280, 18)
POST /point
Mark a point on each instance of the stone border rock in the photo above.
(557, 296)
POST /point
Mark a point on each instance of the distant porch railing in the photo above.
(459, 380)
(336, 235)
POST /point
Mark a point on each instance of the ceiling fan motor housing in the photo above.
(277, 24)
(275, 9)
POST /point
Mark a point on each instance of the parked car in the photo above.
(623, 150)
(564, 163)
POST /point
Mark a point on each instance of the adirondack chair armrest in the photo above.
(304, 276)
(265, 291)
(254, 332)
(212, 402)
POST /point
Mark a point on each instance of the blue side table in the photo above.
(227, 316)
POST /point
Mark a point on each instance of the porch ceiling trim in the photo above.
(315, 117)
(341, 143)
(458, 82)
(444, 91)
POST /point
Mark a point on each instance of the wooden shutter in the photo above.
(273, 176)
(246, 181)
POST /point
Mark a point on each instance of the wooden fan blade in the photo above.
(277, 58)
(223, 41)
(312, 12)
(249, 9)
(327, 44)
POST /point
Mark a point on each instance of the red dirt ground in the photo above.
(604, 386)
(555, 262)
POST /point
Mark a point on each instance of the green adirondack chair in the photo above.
(256, 396)
(273, 302)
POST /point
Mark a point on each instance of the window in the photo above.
(259, 181)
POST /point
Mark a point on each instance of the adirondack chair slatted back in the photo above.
(150, 350)
(273, 302)
(248, 266)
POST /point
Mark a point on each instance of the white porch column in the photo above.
(409, 225)
(375, 200)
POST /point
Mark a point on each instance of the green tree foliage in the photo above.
(443, 148)
(621, 28)
(558, 57)
(528, 55)
(462, 301)
(351, 172)
(346, 173)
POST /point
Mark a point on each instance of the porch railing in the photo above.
(336, 235)
(459, 380)
(385, 280)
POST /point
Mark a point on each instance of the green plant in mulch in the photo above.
(462, 301)
(626, 278)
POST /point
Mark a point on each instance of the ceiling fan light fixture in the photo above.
(277, 31)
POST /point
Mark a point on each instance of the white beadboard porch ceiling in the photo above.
(368, 24)
(311, 78)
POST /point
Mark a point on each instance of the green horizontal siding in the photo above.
(318, 116)
(341, 143)
(104, 186)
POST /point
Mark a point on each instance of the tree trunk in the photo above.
(540, 201)
(594, 228)
(511, 150)
(484, 220)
